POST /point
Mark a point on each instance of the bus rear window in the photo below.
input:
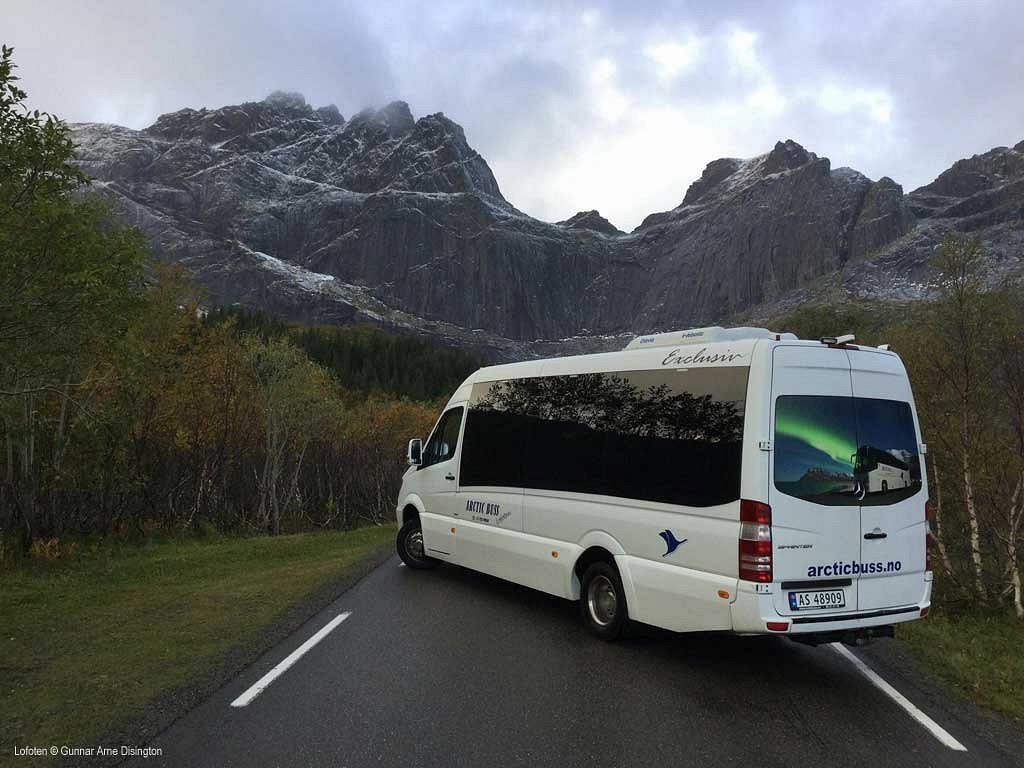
(845, 450)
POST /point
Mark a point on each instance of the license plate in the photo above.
(819, 598)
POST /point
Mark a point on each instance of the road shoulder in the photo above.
(172, 705)
(895, 661)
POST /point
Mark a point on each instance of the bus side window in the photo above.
(443, 442)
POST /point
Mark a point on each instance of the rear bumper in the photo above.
(752, 611)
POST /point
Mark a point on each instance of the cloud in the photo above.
(672, 58)
(766, 99)
(742, 45)
(874, 103)
(575, 106)
(611, 102)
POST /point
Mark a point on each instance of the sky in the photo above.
(614, 107)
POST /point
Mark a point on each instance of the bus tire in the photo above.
(603, 601)
(410, 547)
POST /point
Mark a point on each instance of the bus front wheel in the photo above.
(410, 547)
(603, 601)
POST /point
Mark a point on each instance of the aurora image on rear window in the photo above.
(845, 450)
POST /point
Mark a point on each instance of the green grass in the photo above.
(88, 641)
(981, 656)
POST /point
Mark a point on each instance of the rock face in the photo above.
(981, 196)
(749, 230)
(397, 220)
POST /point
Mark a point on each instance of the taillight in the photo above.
(755, 541)
(928, 535)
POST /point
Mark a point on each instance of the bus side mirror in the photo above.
(414, 453)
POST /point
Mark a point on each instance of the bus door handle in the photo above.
(876, 534)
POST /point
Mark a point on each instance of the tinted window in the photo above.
(669, 436)
(495, 441)
(442, 443)
(888, 463)
(845, 450)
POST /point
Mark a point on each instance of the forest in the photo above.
(126, 409)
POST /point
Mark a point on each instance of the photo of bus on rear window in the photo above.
(845, 450)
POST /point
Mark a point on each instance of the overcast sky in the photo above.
(595, 105)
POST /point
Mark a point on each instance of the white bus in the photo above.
(697, 480)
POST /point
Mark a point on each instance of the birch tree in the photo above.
(957, 351)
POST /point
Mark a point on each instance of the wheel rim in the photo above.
(414, 544)
(602, 601)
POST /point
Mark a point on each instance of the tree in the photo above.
(294, 396)
(68, 274)
(1009, 369)
(961, 317)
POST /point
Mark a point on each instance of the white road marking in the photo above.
(257, 688)
(934, 728)
(401, 565)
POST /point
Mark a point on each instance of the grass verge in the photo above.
(981, 656)
(86, 643)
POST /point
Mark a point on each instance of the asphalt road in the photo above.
(450, 667)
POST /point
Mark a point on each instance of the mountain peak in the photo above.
(330, 114)
(590, 220)
(979, 173)
(787, 155)
(714, 173)
(286, 100)
(396, 117)
(220, 125)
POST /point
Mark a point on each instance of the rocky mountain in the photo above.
(982, 196)
(397, 220)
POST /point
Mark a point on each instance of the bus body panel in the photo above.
(678, 598)
(753, 609)
(438, 535)
(437, 485)
(678, 589)
(533, 561)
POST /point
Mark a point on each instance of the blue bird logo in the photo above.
(670, 542)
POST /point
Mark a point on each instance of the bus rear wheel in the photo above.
(603, 601)
(410, 547)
